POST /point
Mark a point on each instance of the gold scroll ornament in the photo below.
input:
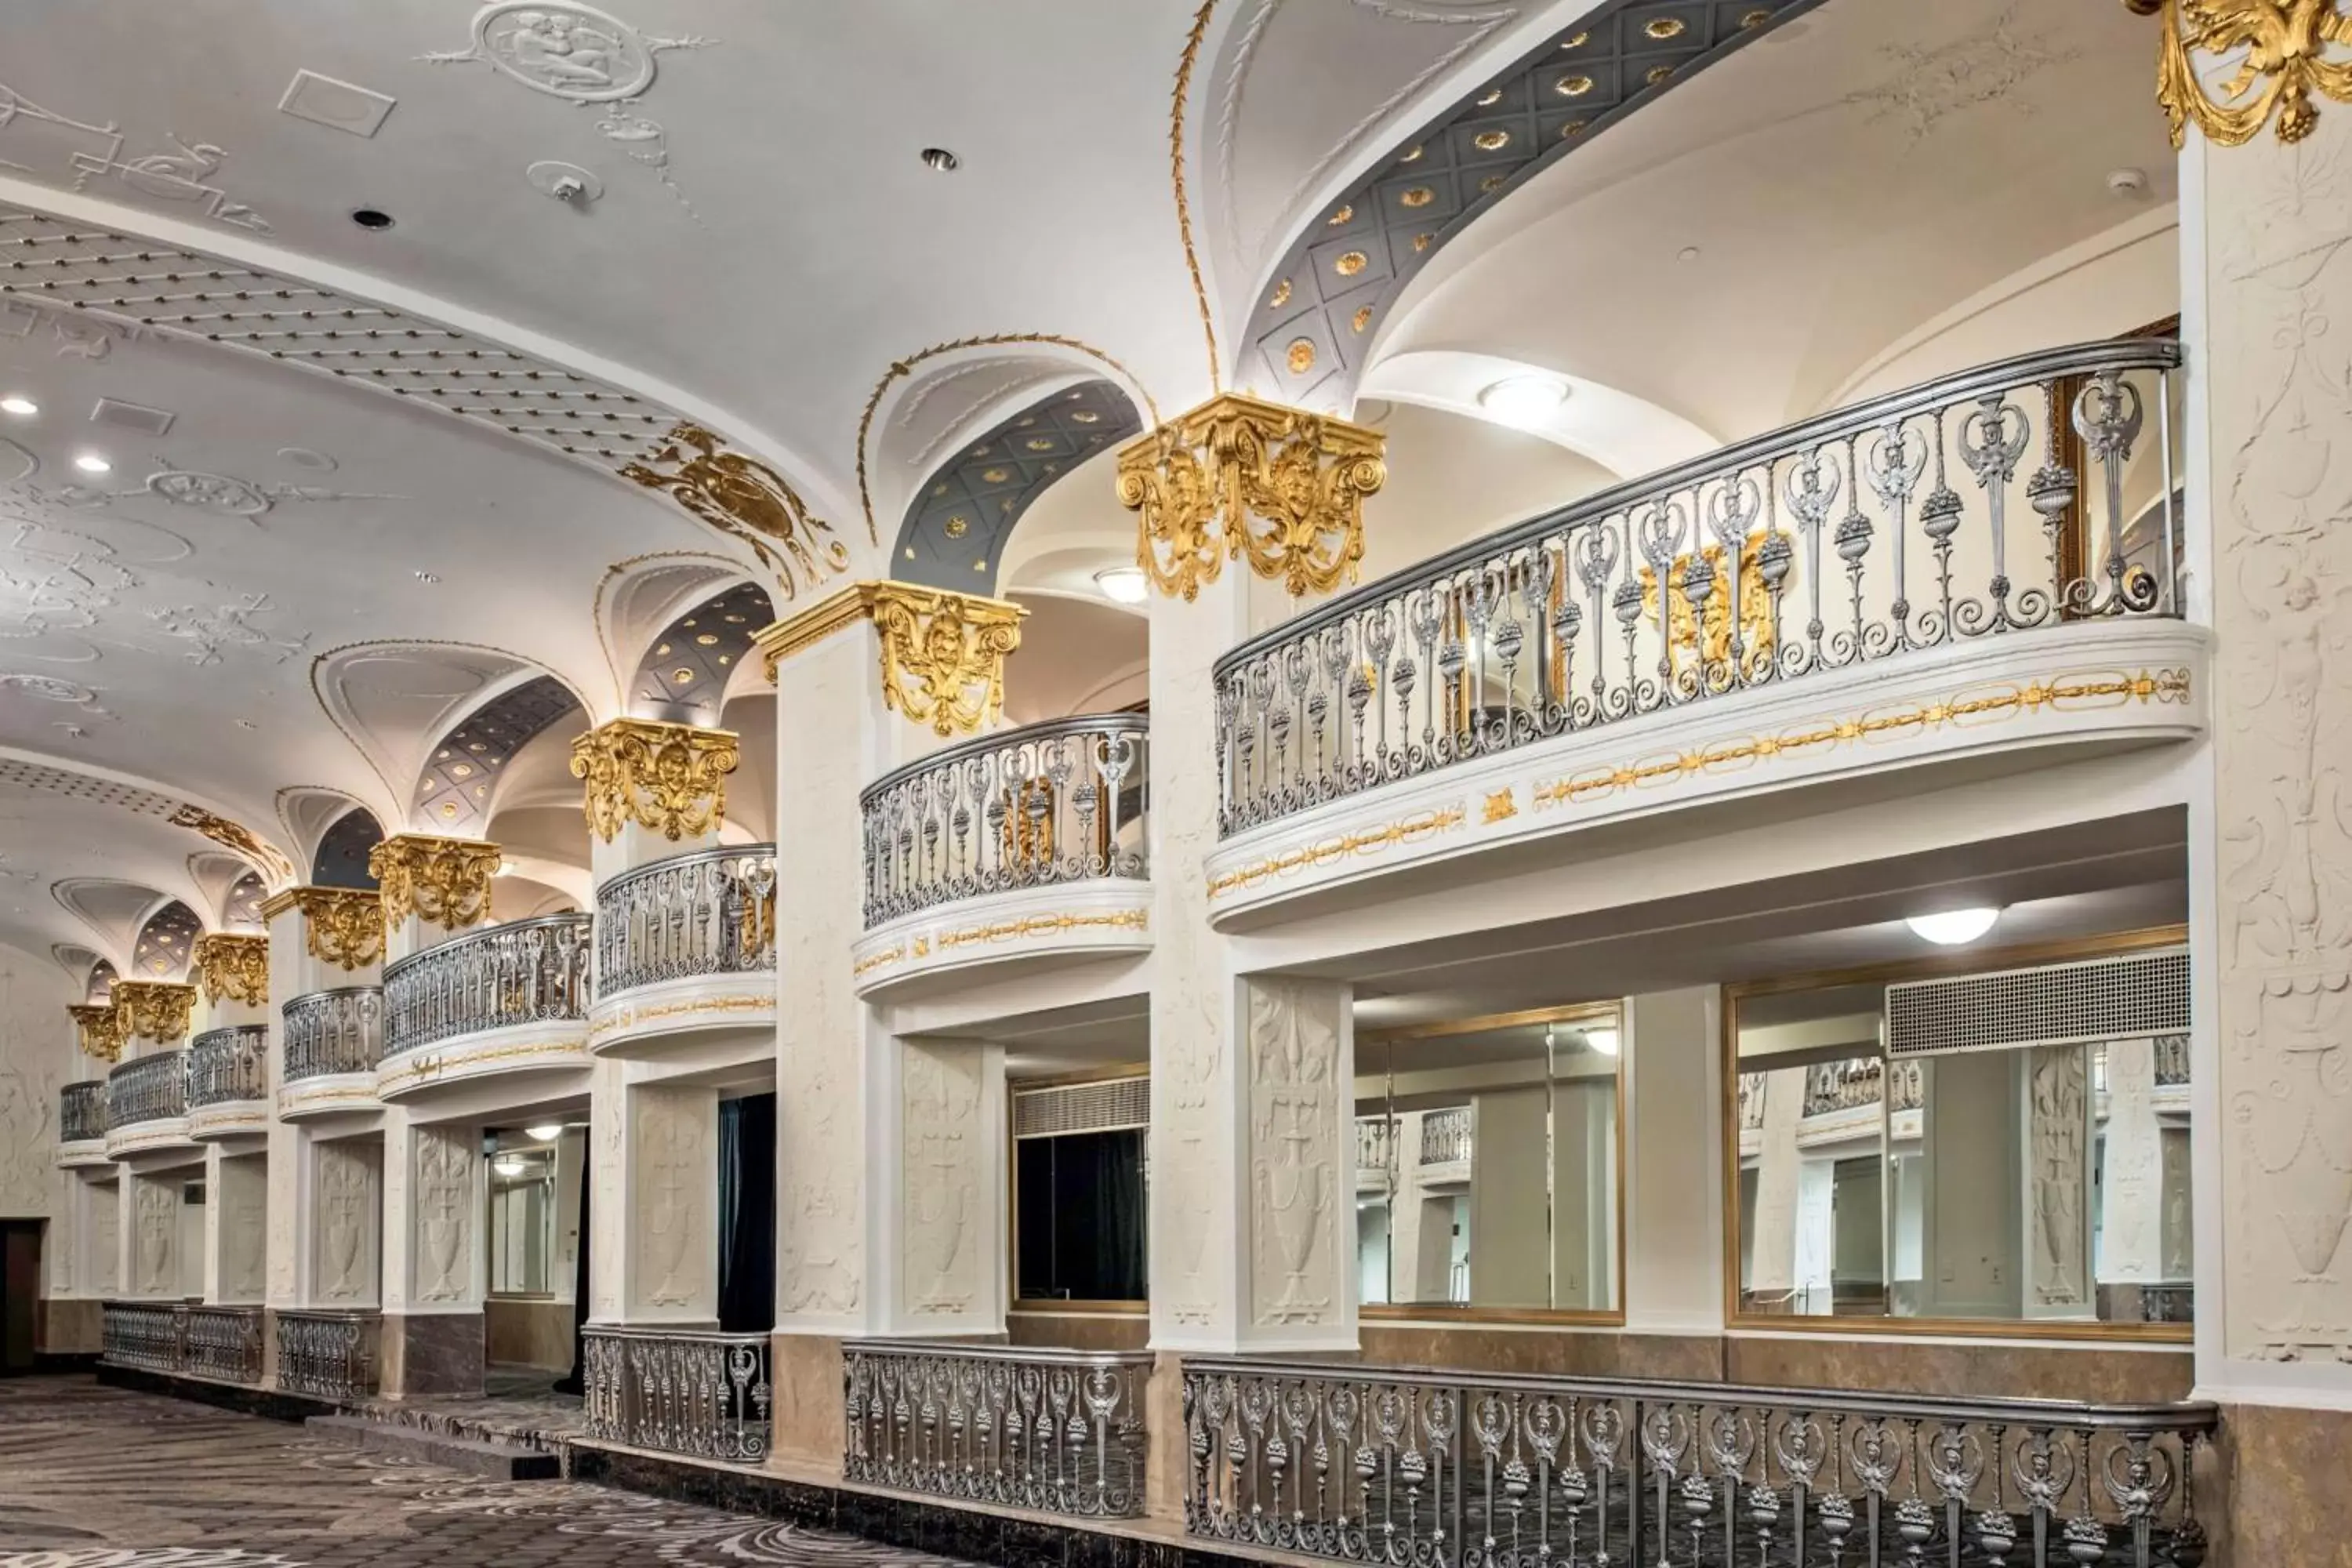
(2281, 50)
(342, 926)
(670, 779)
(943, 654)
(153, 1009)
(234, 968)
(97, 1029)
(744, 497)
(444, 881)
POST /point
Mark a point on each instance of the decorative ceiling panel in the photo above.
(342, 860)
(454, 792)
(167, 942)
(683, 677)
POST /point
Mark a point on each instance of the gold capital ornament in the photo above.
(670, 779)
(444, 881)
(2284, 57)
(98, 1029)
(1237, 477)
(234, 968)
(342, 926)
(943, 654)
(153, 1009)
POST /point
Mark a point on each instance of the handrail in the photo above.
(229, 1065)
(683, 1391)
(521, 972)
(81, 1111)
(333, 1032)
(712, 912)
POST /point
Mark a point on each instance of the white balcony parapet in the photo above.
(147, 1102)
(505, 998)
(333, 1041)
(229, 1078)
(81, 1124)
(685, 945)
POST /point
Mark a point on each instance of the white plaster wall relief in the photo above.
(28, 1116)
(442, 1203)
(1294, 1118)
(2279, 286)
(821, 1255)
(105, 1239)
(156, 1253)
(243, 1217)
(607, 1190)
(2131, 1174)
(939, 1151)
(672, 1229)
(344, 1199)
(2057, 1181)
(77, 152)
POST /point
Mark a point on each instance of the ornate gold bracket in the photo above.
(670, 779)
(342, 926)
(942, 653)
(153, 1009)
(2284, 46)
(234, 968)
(98, 1029)
(444, 881)
(1236, 476)
(744, 499)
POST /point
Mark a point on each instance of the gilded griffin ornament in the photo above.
(744, 497)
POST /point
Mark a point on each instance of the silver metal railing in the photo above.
(81, 1112)
(1375, 1144)
(710, 912)
(1059, 1431)
(328, 1352)
(1446, 1135)
(147, 1088)
(1454, 1470)
(2171, 1059)
(229, 1065)
(2023, 495)
(339, 1031)
(1059, 802)
(221, 1341)
(702, 1393)
(143, 1334)
(525, 972)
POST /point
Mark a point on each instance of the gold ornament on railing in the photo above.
(744, 497)
(98, 1029)
(943, 654)
(153, 1009)
(342, 926)
(2284, 59)
(234, 968)
(444, 881)
(1236, 476)
(670, 779)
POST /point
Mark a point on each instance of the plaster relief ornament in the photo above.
(50, 688)
(182, 174)
(745, 499)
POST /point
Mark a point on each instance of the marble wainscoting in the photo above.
(1079, 1330)
(1992, 1368)
(528, 1332)
(2286, 1498)
(432, 1353)
(1560, 1352)
(68, 1327)
(810, 1416)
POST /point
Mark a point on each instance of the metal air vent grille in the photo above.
(1107, 1105)
(2135, 996)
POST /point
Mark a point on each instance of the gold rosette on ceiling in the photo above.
(153, 1009)
(98, 1029)
(2277, 54)
(342, 926)
(669, 779)
(943, 654)
(444, 881)
(233, 968)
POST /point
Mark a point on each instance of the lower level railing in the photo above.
(1059, 1431)
(144, 1334)
(223, 1342)
(682, 1392)
(1449, 1470)
(329, 1353)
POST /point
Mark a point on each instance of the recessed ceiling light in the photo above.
(1524, 400)
(372, 219)
(509, 1165)
(92, 463)
(1122, 584)
(19, 404)
(1687, 253)
(1953, 928)
(546, 1132)
(941, 159)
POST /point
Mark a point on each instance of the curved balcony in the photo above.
(1985, 567)
(81, 1124)
(1026, 844)
(509, 998)
(333, 1041)
(686, 949)
(147, 1103)
(228, 1082)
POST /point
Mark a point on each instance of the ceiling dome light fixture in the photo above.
(509, 1165)
(1122, 584)
(1603, 1041)
(17, 403)
(92, 463)
(1524, 400)
(941, 161)
(1953, 928)
(546, 1132)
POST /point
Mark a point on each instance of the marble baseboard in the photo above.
(1990, 1369)
(806, 1372)
(432, 1353)
(68, 1326)
(2285, 1498)
(1080, 1330)
(529, 1333)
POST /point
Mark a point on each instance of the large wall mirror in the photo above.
(1078, 1200)
(523, 1219)
(1489, 1164)
(2004, 1142)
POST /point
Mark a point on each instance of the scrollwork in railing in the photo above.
(1751, 1100)
(1924, 519)
(2172, 1060)
(332, 1354)
(684, 1392)
(222, 1343)
(81, 1112)
(332, 1032)
(147, 1088)
(712, 912)
(1849, 1085)
(226, 1066)
(1910, 1086)
(525, 972)
(1446, 1135)
(1375, 1144)
(1055, 802)
(143, 1334)
(1059, 1431)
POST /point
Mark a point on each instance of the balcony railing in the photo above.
(223, 1342)
(2172, 1060)
(1062, 801)
(1445, 1136)
(1059, 1431)
(1445, 1470)
(329, 1353)
(81, 1112)
(1375, 1144)
(712, 912)
(144, 1334)
(526, 972)
(1986, 503)
(147, 1088)
(331, 1032)
(704, 1394)
(229, 1065)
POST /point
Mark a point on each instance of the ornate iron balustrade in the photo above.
(2172, 1060)
(525, 972)
(147, 1088)
(144, 1334)
(81, 1112)
(1751, 1102)
(1059, 1431)
(710, 912)
(329, 1353)
(1375, 1144)
(229, 1065)
(223, 1342)
(329, 1032)
(705, 1395)
(1848, 1085)
(1910, 1081)
(1369, 1464)
(1982, 504)
(1060, 802)
(1446, 1135)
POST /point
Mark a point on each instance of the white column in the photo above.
(237, 1201)
(1674, 1198)
(435, 1262)
(947, 1273)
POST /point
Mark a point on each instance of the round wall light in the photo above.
(1953, 928)
(1524, 400)
(1122, 584)
(547, 1132)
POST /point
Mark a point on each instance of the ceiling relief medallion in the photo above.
(443, 882)
(943, 655)
(225, 495)
(237, 837)
(669, 779)
(233, 968)
(206, 633)
(155, 1010)
(98, 1029)
(1926, 85)
(743, 498)
(67, 693)
(341, 926)
(182, 174)
(2285, 50)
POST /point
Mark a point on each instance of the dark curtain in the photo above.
(576, 1380)
(1081, 1217)
(747, 1214)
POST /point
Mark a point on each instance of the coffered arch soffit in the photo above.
(340, 859)
(307, 813)
(457, 788)
(116, 911)
(698, 658)
(231, 891)
(81, 964)
(167, 942)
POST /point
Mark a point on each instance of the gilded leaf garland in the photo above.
(98, 1029)
(743, 498)
(153, 1009)
(2282, 48)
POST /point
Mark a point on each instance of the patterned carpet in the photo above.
(100, 1477)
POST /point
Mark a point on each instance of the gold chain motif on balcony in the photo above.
(153, 1009)
(943, 654)
(97, 1029)
(669, 779)
(744, 497)
(444, 881)
(1237, 477)
(2285, 58)
(234, 968)
(342, 926)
